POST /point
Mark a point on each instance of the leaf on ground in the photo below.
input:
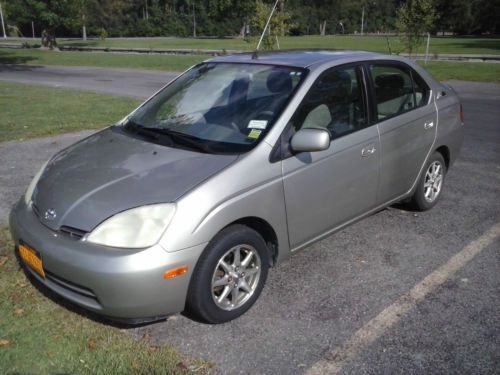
(15, 297)
(181, 366)
(50, 355)
(4, 342)
(18, 312)
(3, 260)
(153, 348)
(135, 365)
(91, 343)
(145, 338)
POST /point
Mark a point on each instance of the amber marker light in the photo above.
(170, 274)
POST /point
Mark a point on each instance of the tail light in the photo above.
(461, 113)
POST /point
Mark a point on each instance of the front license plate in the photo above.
(32, 259)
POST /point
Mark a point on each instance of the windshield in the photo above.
(217, 107)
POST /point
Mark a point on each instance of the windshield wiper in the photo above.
(186, 139)
(173, 136)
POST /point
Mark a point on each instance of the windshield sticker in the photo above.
(257, 124)
(254, 134)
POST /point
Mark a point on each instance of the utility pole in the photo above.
(3, 25)
(33, 29)
(362, 20)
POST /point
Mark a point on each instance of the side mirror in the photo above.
(310, 140)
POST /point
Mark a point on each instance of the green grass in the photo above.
(44, 57)
(463, 71)
(438, 45)
(34, 111)
(38, 336)
(442, 70)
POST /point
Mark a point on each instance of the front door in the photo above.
(327, 188)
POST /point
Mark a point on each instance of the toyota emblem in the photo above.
(50, 214)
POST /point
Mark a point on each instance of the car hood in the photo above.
(110, 172)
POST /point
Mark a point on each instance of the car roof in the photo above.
(302, 59)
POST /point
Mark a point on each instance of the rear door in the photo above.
(327, 188)
(407, 121)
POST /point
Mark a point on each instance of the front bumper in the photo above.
(121, 284)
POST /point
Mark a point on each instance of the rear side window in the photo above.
(397, 89)
(393, 90)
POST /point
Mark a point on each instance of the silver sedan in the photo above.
(242, 160)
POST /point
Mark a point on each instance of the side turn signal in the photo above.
(170, 274)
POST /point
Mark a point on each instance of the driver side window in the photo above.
(334, 103)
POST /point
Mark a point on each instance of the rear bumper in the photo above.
(121, 284)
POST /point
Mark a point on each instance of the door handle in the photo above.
(368, 150)
(429, 125)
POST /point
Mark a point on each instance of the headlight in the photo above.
(31, 187)
(135, 228)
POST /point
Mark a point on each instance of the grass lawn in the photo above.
(442, 70)
(464, 71)
(175, 63)
(38, 336)
(34, 111)
(438, 45)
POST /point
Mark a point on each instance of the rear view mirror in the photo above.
(309, 140)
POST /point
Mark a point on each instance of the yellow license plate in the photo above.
(31, 258)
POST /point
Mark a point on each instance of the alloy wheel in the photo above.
(433, 181)
(236, 277)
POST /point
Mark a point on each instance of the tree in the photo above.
(51, 15)
(414, 19)
(278, 26)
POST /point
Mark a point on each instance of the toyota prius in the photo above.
(189, 201)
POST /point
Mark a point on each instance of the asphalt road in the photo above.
(317, 301)
(125, 82)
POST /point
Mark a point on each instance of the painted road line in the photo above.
(391, 315)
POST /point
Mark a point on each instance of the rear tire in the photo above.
(430, 184)
(229, 275)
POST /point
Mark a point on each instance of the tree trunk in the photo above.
(322, 28)
(282, 11)
(49, 39)
(84, 28)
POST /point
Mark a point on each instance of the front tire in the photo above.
(229, 275)
(430, 184)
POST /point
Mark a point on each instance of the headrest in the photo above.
(239, 89)
(334, 85)
(279, 81)
(390, 81)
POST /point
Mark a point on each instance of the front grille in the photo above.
(74, 292)
(72, 232)
(75, 288)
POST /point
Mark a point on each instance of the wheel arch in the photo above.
(267, 232)
(445, 153)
